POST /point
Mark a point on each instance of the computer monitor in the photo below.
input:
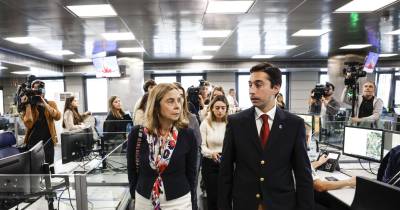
(37, 161)
(375, 195)
(363, 143)
(76, 145)
(391, 140)
(14, 174)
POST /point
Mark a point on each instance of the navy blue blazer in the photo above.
(250, 175)
(179, 177)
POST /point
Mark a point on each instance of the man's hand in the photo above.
(24, 99)
(355, 120)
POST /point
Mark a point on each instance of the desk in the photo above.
(345, 195)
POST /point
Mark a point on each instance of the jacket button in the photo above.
(262, 179)
(262, 162)
(257, 195)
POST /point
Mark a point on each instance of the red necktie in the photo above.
(264, 133)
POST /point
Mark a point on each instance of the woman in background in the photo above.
(217, 91)
(162, 156)
(279, 101)
(117, 121)
(213, 132)
(72, 120)
(139, 119)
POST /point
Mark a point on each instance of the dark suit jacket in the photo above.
(250, 175)
(179, 177)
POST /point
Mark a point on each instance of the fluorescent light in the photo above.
(202, 57)
(396, 32)
(228, 7)
(311, 32)
(282, 47)
(131, 50)
(215, 33)
(24, 40)
(385, 55)
(262, 56)
(118, 36)
(20, 72)
(2, 67)
(60, 52)
(364, 6)
(80, 60)
(355, 46)
(94, 10)
(210, 48)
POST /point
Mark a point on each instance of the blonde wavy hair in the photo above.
(153, 108)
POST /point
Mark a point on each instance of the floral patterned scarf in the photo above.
(161, 150)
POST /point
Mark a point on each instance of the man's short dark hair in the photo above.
(328, 84)
(148, 84)
(273, 72)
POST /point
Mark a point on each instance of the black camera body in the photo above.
(33, 95)
(319, 91)
(193, 94)
(353, 71)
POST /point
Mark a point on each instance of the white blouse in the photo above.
(69, 122)
(213, 137)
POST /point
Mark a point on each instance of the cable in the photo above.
(365, 169)
(369, 163)
(59, 198)
(70, 201)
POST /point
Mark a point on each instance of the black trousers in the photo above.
(210, 170)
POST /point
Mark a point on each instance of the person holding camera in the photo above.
(72, 120)
(368, 108)
(212, 132)
(38, 115)
(314, 104)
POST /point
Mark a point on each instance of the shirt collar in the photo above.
(270, 113)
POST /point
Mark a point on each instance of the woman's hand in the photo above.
(216, 157)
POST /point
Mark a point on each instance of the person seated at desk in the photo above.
(321, 185)
(72, 119)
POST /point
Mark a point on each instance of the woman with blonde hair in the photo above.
(161, 156)
(213, 132)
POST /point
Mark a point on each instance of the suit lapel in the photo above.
(250, 125)
(277, 128)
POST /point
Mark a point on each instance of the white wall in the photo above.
(301, 84)
(75, 85)
(224, 79)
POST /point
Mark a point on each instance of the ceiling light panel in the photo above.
(396, 32)
(59, 52)
(262, 56)
(92, 11)
(311, 32)
(228, 7)
(202, 57)
(355, 46)
(385, 55)
(364, 6)
(131, 50)
(24, 40)
(118, 36)
(81, 60)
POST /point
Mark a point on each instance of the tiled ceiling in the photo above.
(169, 29)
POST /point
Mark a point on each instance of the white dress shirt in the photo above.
(259, 121)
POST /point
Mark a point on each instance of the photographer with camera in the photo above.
(196, 97)
(39, 115)
(314, 103)
(330, 106)
(368, 108)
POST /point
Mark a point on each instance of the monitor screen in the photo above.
(370, 62)
(106, 66)
(14, 170)
(391, 140)
(363, 143)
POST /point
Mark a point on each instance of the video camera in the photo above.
(194, 92)
(319, 91)
(33, 95)
(353, 71)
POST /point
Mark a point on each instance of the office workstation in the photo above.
(76, 85)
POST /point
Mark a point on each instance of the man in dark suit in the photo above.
(264, 161)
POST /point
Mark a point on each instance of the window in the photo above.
(187, 81)
(323, 78)
(53, 88)
(164, 79)
(384, 87)
(96, 94)
(243, 90)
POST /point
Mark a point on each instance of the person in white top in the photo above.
(233, 104)
(212, 133)
(72, 120)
